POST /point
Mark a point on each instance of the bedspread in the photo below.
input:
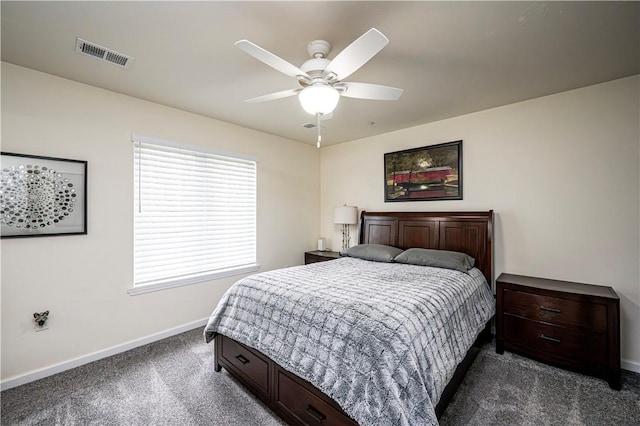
(381, 339)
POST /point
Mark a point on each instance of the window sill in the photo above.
(192, 279)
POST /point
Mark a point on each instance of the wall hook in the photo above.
(41, 317)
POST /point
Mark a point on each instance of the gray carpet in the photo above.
(512, 390)
(172, 382)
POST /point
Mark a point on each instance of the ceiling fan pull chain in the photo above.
(319, 136)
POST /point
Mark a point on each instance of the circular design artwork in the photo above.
(34, 197)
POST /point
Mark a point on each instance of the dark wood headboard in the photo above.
(466, 232)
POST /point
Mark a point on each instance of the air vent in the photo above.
(309, 126)
(88, 48)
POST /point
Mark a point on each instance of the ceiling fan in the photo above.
(321, 79)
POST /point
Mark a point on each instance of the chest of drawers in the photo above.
(568, 324)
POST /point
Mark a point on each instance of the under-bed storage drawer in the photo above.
(297, 401)
(248, 363)
(302, 404)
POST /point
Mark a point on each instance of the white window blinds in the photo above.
(194, 213)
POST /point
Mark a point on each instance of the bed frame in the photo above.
(297, 401)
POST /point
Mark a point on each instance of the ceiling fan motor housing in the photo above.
(315, 66)
(318, 50)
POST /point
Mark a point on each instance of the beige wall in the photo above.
(83, 280)
(561, 173)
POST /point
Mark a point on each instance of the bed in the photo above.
(352, 341)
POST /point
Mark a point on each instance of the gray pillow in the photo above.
(438, 258)
(375, 252)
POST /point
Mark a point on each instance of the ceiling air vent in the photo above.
(309, 126)
(88, 48)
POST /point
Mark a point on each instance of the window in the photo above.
(194, 214)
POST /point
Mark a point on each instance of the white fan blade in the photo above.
(357, 54)
(274, 96)
(369, 91)
(270, 59)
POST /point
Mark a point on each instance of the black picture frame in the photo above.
(42, 196)
(428, 173)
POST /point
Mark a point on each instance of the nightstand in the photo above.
(571, 325)
(320, 256)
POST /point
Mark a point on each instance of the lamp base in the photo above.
(345, 237)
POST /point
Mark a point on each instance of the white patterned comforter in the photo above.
(381, 339)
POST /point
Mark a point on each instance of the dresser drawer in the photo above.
(312, 258)
(251, 366)
(306, 406)
(542, 339)
(555, 310)
(320, 256)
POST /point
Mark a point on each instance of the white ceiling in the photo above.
(451, 58)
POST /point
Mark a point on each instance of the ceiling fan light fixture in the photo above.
(319, 99)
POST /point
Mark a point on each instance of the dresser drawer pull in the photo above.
(317, 415)
(554, 310)
(242, 359)
(551, 339)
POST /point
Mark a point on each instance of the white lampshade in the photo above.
(347, 215)
(319, 98)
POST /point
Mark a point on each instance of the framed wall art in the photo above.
(42, 196)
(424, 174)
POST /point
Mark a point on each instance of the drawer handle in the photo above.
(551, 339)
(554, 310)
(317, 415)
(242, 359)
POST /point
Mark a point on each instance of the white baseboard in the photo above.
(85, 359)
(629, 365)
